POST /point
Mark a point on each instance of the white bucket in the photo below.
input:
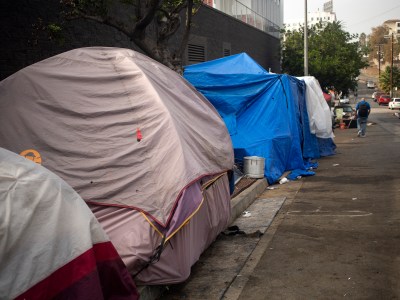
(253, 166)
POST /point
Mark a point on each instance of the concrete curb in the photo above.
(246, 198)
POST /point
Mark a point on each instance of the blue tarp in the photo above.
(265, 113)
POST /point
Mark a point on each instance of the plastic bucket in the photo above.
(253, 166)
(342, 126)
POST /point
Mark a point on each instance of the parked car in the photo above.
(348, 114)
(376, 95)
(384, 100)
(394, 104)
(344, 101)
(370, 84)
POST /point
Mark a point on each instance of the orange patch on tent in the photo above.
(32, 155)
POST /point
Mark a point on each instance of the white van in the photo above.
(370, 84)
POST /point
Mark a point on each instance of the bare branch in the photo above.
(188, 24)
(110, 22)
(149, 16)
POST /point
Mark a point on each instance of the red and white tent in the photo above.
(51, 245)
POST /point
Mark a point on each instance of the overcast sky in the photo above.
(357, 16)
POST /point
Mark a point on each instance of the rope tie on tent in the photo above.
(154, 258)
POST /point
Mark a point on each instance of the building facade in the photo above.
(215, 34)
(266, 15)
(327, 15)
(393, 26)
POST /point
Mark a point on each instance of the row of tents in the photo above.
(281, 118)
(147, 152)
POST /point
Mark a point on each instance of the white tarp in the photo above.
(318, 110)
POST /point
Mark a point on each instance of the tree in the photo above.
(364, 45)
(384, 79)
(379, 36)
(334, 58)
(150, 24)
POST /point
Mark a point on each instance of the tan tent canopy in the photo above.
(83, 111)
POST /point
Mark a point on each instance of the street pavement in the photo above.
(330, 236)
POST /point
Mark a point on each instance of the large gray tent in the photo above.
(146, 151)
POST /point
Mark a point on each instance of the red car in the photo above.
(384, 99)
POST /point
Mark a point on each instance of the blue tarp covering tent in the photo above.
(265, 113)
(309, 141)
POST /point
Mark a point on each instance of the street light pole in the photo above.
(391, 71)
(305, 40)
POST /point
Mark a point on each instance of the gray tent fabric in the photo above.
(140, 145)
(120, 128)
(136, 240)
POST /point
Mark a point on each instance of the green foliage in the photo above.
(55, 33)
(384, 79)
(333, 56)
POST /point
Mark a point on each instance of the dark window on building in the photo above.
(227, 52)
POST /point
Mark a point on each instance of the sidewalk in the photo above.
(339, 236)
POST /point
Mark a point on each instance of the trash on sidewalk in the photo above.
(335, 165)
(283, 180)
(271, 188)
(246, 214)
(233, 230)
(298, 173)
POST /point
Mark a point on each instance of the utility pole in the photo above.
(379, 60)
(305, 40)
(391, 71)
(391, 36)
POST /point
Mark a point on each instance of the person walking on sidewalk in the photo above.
(363, 110)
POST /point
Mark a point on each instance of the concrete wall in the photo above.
(212, 28)
(218, 29)
(18, 48)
